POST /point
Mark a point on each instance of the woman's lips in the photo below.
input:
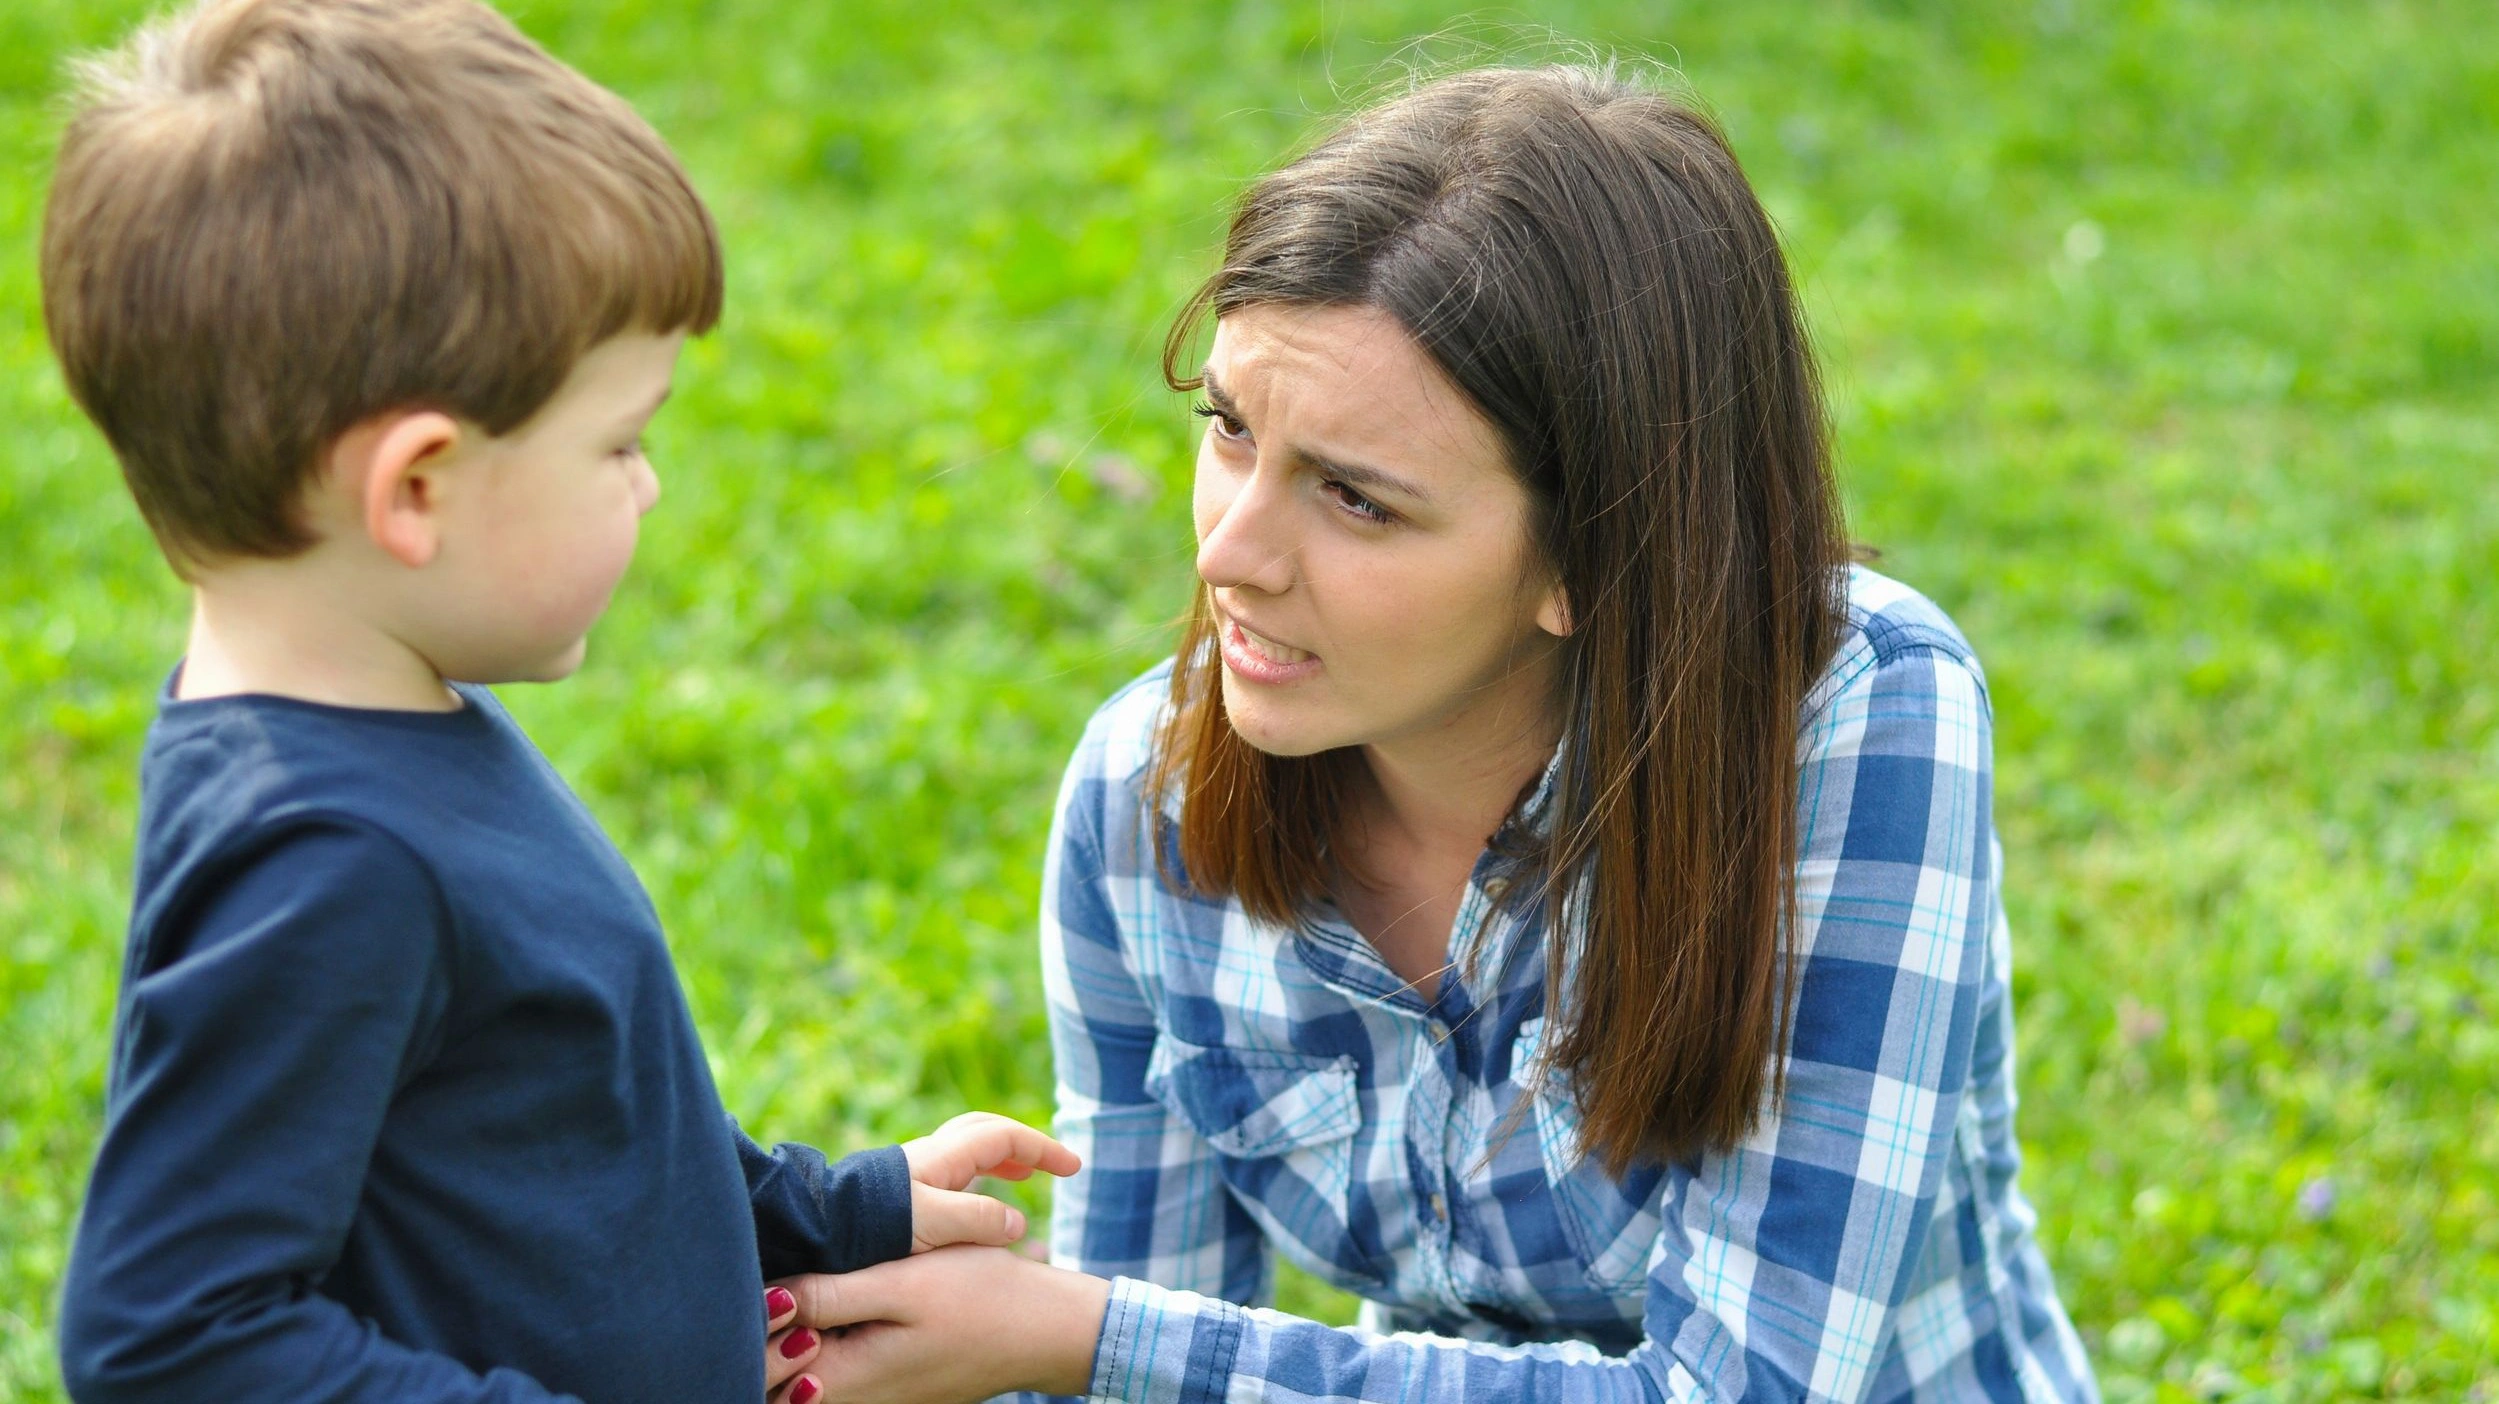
(1263, 660)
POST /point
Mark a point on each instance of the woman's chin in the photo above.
(1275, 730)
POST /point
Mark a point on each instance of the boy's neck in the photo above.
(257, 628)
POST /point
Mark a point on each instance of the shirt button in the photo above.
(1440, 1207)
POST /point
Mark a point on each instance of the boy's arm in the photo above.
(815, 1215)
(262, 1038)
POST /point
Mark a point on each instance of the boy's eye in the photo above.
(1226, 427)
(632, 450)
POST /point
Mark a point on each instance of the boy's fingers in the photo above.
(984, 1143)
(1001, 1143)
(940, 1217)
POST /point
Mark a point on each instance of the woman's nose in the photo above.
(1244, 535)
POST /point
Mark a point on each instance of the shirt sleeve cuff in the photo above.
(1165, 1347)
(885, 1208)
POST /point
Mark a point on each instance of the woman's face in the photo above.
(1364, 544)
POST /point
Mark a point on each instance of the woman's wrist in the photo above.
(1063, 1327)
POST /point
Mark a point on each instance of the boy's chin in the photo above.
(563, 665)
(547, 668)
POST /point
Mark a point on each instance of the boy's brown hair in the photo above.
(273, 219)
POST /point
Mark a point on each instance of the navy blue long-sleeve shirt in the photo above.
(405, 1100)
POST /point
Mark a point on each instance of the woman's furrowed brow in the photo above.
(1358, 476)
(1350, 474)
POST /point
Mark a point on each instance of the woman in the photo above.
(1550, 893)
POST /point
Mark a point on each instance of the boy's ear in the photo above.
(392, 468)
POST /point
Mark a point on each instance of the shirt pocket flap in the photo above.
(1252, 1103)
(1613, 1224)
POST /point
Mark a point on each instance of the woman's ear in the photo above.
(392, 468)
(1553, 613)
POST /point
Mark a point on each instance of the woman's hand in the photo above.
(786, 1352)
(949, 1326)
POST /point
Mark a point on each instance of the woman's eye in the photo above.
(1226, 427)
(1358, 504)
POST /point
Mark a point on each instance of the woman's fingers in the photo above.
(788, 1352)
(940, 1217)
(827, 1300)
(806, 1389)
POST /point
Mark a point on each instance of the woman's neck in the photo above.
(1439, 797)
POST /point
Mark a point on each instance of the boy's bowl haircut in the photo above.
(273, 219)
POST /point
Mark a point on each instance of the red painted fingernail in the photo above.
(779, 1303)
(797, 1343)
(807, 1390)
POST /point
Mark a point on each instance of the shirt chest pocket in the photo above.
(1612, 1224)
(1282, 1128)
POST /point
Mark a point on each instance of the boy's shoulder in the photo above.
(258, 757)
(222, 780)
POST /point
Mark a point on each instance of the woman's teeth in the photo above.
(1270, 650)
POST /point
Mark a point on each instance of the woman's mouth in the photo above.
(1257, 658)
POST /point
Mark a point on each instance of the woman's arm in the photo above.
(1149, 1203)
(1783, 1261)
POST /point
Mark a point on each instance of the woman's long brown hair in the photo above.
(1584, 258)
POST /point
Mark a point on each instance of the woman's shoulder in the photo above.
(1118, 743)
(1888, 623)
(1886, 618)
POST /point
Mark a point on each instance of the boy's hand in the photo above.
(946, 1161)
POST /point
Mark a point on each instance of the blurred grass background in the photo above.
(2162, 337)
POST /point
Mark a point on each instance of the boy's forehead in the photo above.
(631, 371)
(618, 383)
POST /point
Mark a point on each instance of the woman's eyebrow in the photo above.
(1350, 474)
(1356, 475)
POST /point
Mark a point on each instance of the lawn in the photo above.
(2163, 340)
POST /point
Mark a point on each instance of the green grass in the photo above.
(2162, 337)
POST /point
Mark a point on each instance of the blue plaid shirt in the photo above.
(1239, 1089)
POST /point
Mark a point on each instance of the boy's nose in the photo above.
(646, 487)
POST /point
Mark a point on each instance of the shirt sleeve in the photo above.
(1781, 1261)
(814, 1215)
(1149, 1203)
(265, 1028)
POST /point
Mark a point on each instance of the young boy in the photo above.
(373, 299)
